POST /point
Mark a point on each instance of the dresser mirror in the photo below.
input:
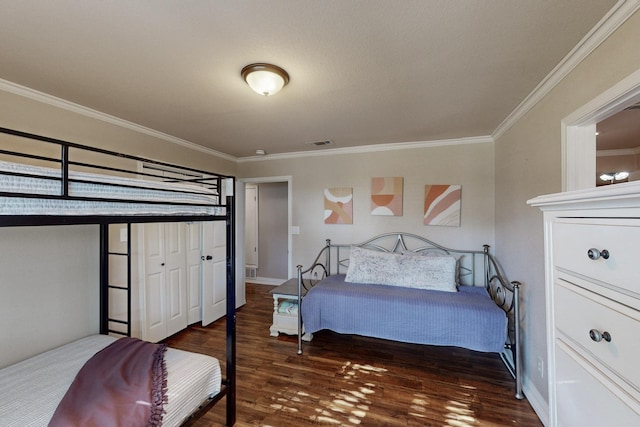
(618, 147)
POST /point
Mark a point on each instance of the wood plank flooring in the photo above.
(344, 380)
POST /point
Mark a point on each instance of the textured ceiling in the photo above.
(362, 72)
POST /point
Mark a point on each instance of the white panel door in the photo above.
(155, 324)
(214, 271)
(194, 272)
(165, 280)
(176, 276)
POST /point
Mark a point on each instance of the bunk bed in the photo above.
(47, 181)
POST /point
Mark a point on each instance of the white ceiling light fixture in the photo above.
(265, 79)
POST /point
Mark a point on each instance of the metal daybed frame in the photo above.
(66, 164)
(476, 268)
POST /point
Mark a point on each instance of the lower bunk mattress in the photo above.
(468, 318)
(32, 389)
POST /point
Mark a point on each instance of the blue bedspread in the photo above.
(467, 318)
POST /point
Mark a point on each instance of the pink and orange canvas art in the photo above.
(338, 206)
(442, 205)
(386, 196)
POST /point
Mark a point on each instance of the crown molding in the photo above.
(54, 101)
(618, 14)
(44, 98)
(370, 148)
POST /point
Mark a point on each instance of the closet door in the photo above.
(214, 271)
(194, 272)
(176, 276)
(165, 284)
(155, 323)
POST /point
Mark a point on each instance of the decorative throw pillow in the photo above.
(437, 253)
(394, 269)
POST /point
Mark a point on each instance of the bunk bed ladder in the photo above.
(106, 318)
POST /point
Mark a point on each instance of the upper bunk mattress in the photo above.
(468, 318)
(139, 197)
(32, 389)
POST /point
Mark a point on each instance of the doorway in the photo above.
(267, 230)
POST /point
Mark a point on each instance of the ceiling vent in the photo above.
(321, 143)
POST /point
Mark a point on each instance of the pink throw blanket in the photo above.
(122, 385)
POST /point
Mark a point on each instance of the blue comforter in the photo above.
(467, 318)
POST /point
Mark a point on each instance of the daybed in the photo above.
(85, 185)
(403, 287)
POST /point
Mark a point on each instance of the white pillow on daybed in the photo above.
(394, 269)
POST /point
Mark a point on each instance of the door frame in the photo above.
(263, 180)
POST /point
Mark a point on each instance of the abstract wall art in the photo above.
(386, 196)
(442, 205)
(338, 206)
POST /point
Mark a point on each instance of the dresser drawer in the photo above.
(585, 398)
(573, 238)
(579, 311)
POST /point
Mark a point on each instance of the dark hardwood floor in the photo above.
(344, 380)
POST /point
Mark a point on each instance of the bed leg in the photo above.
(517, 356)
(299, 309)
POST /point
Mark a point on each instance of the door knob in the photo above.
(209, 257)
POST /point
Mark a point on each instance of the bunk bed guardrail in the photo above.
(71, 176)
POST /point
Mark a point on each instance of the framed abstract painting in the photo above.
(386, 196)
(442, 205)
(338, 205)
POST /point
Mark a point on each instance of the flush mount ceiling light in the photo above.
(265, 79)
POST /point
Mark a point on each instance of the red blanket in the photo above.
(122, 385)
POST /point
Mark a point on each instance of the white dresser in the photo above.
(592, 259)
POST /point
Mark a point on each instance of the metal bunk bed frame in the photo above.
(204, 178)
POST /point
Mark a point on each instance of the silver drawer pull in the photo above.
(597, 336)
(594, 254)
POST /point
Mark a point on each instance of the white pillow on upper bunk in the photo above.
(394, 269)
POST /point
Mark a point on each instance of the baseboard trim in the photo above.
(537, 402)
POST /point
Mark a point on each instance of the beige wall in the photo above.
(49, 275)
(49, 287)
(469, 165)
(528, 163)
